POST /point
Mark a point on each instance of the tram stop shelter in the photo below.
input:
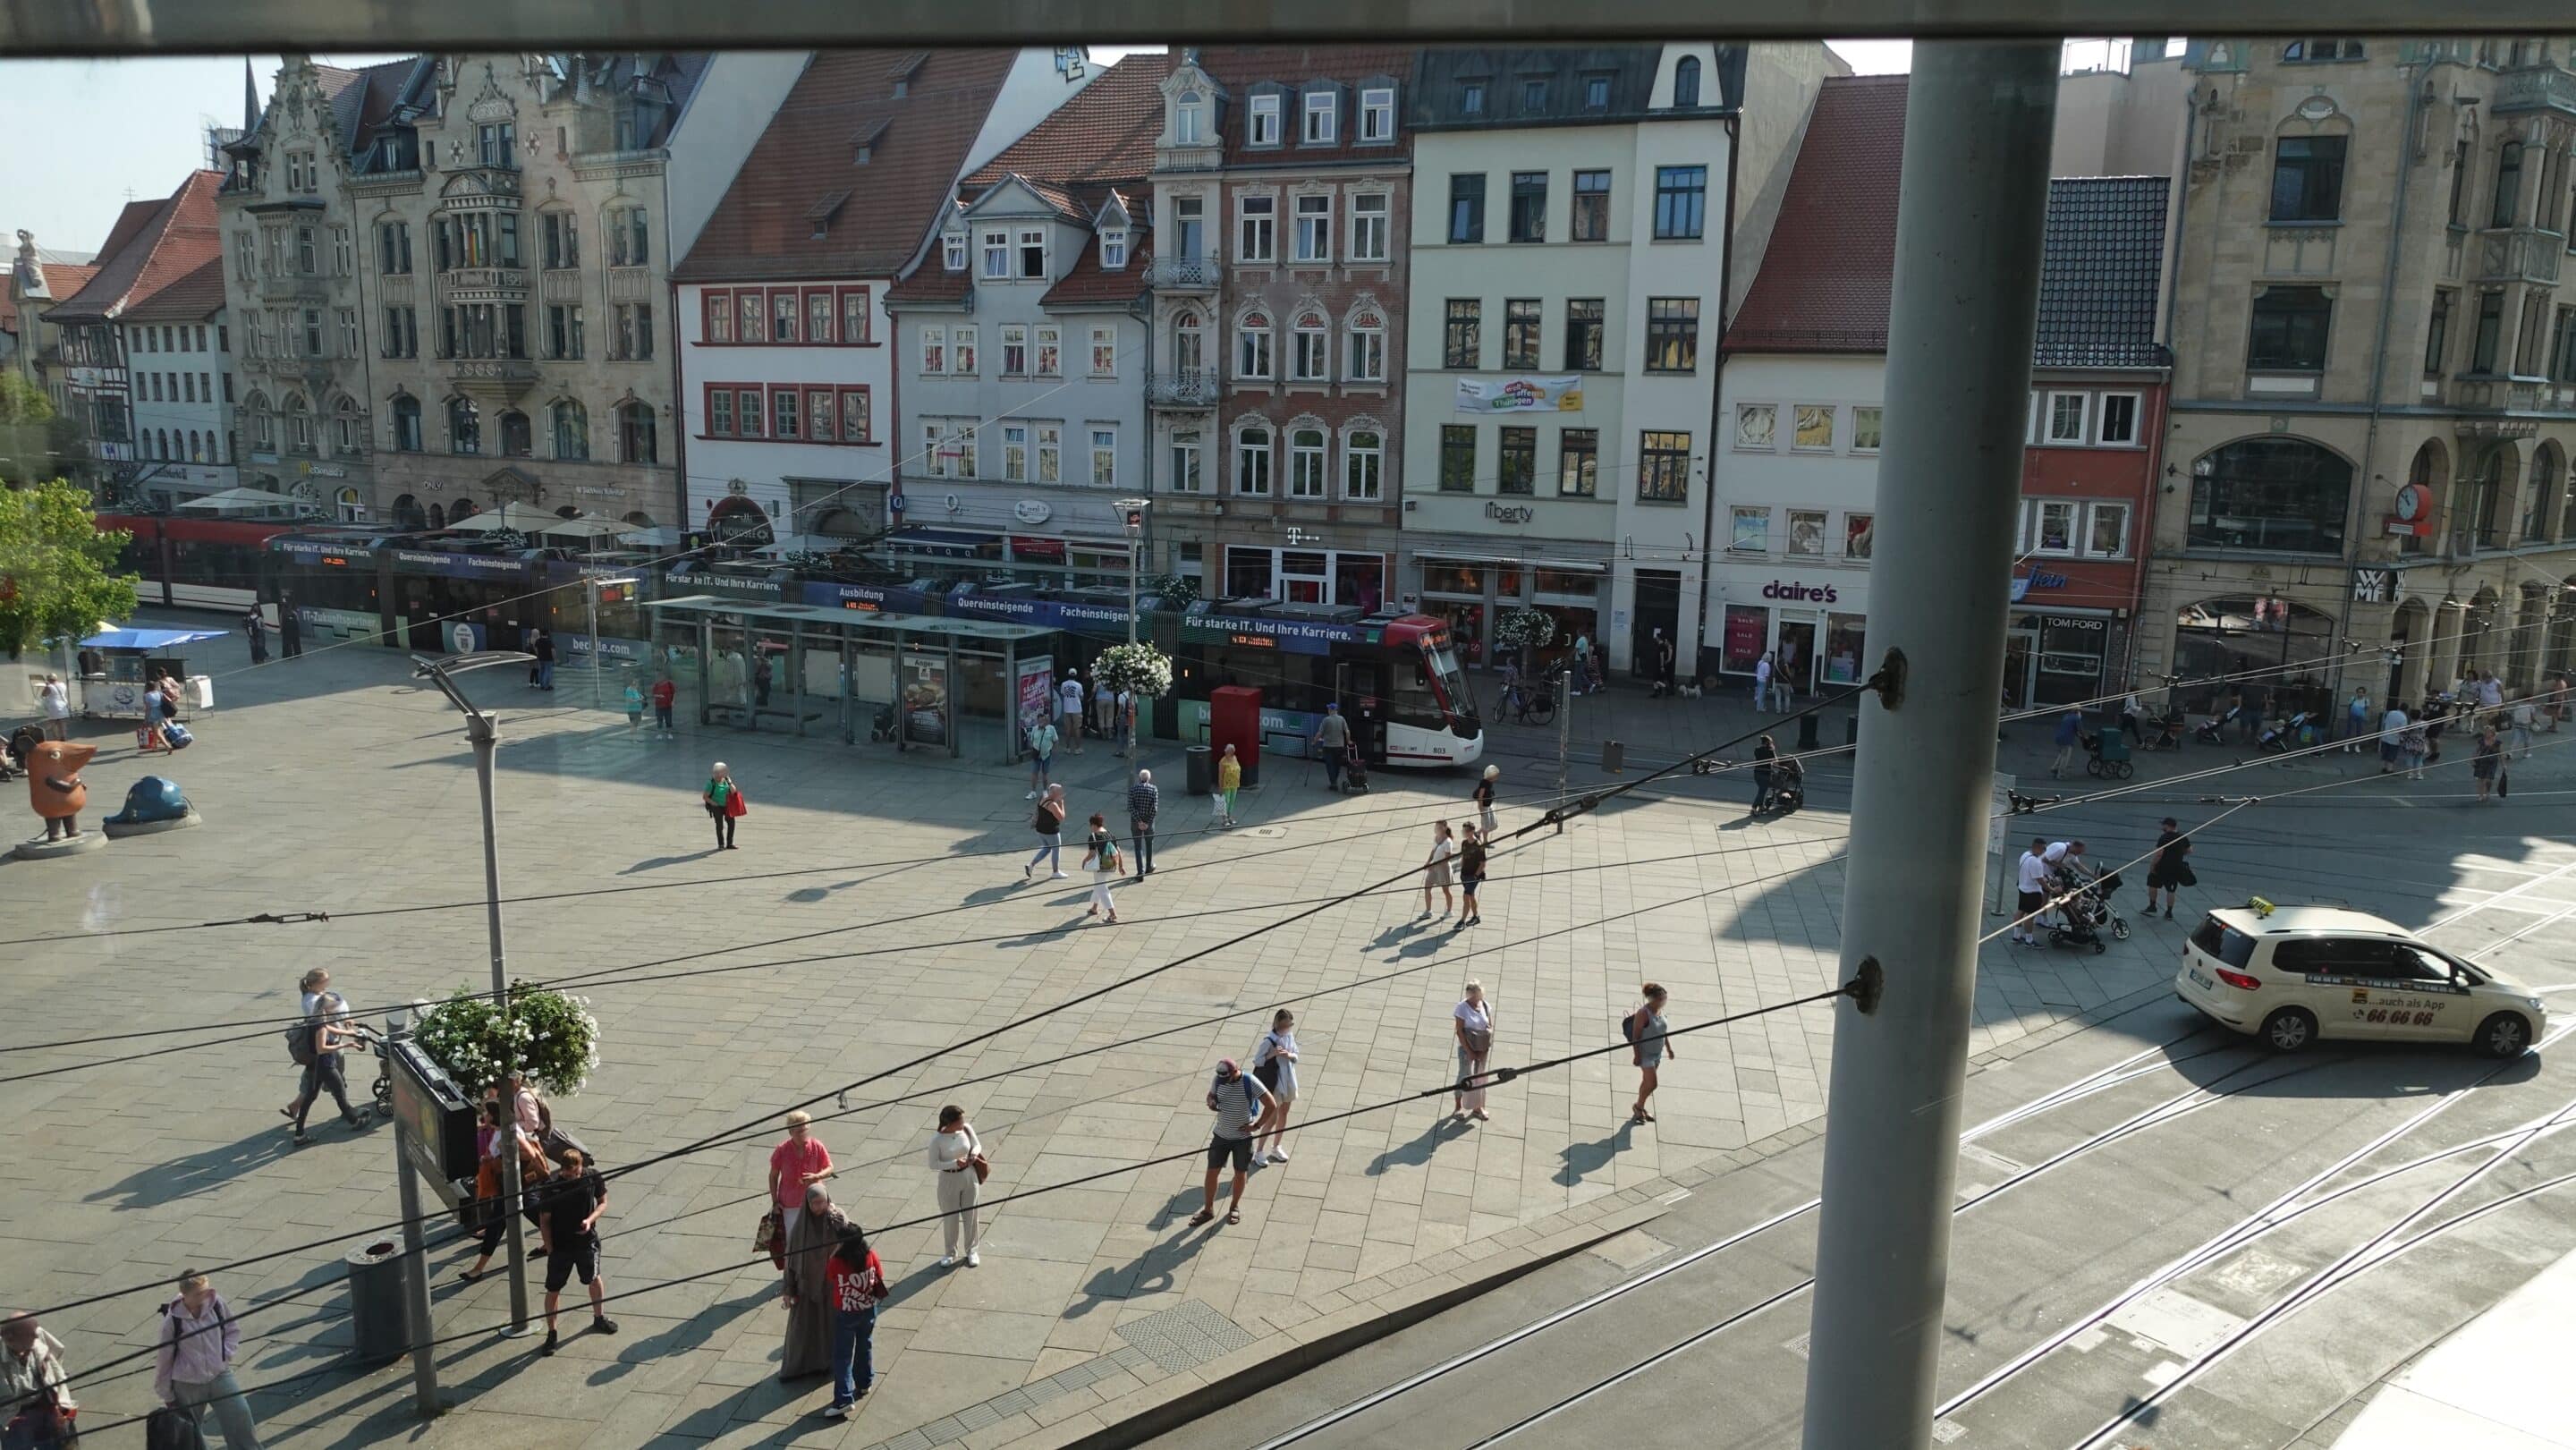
(915, 682)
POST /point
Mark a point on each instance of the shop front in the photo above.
(1473, 591)
(963, 555)
(1813, 628)
(1306, 575)
(2060, 656)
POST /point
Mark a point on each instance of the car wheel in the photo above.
(2505, 1035)
(2290, 1029)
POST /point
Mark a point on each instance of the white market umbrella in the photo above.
(238, 501)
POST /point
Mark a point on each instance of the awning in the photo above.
(911, 627)
(943, 543)
(150, 639)
(240, 501)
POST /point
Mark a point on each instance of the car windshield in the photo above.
(2230, 946)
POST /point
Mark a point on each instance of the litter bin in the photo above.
(1198, 770)
(1614, 757)
(1807, 732)
(378, 1280)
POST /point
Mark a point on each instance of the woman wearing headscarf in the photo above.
(818, 1231)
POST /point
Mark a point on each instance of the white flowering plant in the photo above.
(554, 1037)
(1177, 591)
(1140, 668)
(1519, 629)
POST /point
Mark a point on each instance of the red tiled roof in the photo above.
(1089, 285)
(136, 216)
(1238, 67)
(1105, 134)
(763, 228)
(931, 282)
(170, 269)
(1825, 278)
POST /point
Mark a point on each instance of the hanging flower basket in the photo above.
(557, 1039)
(1176, 591)
(1518, 629)
(1138, 668)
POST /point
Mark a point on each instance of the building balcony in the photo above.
(1194, 388)
(2534, 88)
(294, 287)
(2471, 541)
(1184, 274)
(500, 381)
(630, 284)
(2520, 254)
(484, 284)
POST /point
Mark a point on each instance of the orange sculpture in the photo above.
(54, 786)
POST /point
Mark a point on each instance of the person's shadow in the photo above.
(1416, 1152)
(1583, 1159)
(687, 1334)
(204, 1171)
(658, 862)
(1156, 1270)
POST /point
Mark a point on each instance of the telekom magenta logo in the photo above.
(1783, 589)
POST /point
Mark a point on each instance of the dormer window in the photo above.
(1033, 252)
(1686, 81)
(1261, 126)
(1323, 115)
(1534, 94)
(952, 251)
(1471, 98)
(1189, 121)
(1596, 93)
(1113, 250)
(997, 256)
(1377, 114)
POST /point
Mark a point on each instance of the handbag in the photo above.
(983, 1169)
(767, 1239)
(2504, 784)
(2186, 875)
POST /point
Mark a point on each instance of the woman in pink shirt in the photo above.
(794, 1166)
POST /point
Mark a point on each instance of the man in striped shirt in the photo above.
(1143, 800)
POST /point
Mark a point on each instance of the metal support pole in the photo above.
(486, 735)
(590, 609)
(424, 1358)
(1969, 216)
(1564, 724)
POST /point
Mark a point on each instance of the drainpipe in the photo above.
(2357, 510)
(1717, 372)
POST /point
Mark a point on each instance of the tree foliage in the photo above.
(34, 440)
(57, 571)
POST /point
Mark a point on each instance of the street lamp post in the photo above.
(1133, 511)
(485, 733)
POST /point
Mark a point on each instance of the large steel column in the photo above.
(1969, 217)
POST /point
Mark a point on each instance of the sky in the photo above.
(141, 128)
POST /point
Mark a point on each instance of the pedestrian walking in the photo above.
(1100, 858)
(1144, 801)
(1471, 873)
(1333, 744)
(2030, 879)
(1049, 824)
(2490, 693)
(1662, 665)
(1472, 1023)
(1765, 774)
(36, 1407)
(2557, 704)
(2413, 747)
(545, 653)
(1762, 669)
(1484, 798)
(1127, 721)
(798, 1163)
(54, 702)
(326, 1035)
(491, 1213)
(1783, 694)
(2356, 721)
(2485, 763)
(1243, 1108)
(665, 695)
(1582, 662)
(724, 803)
(2392, 738)
(806, 1345)
(1068, 696)
(957, 1157)
(1042, 742)
(2525, 716)
(255, 629)
(2171, 869)
(1104, 709)
(1274, 1066)
(858, 1283)
(155, 711)
(764, 674)
(2130, 713)
(1435, 868)
(200, 1341)
(634, 707)
(1229, 781)
(2070, 730)
(568, 1210)
(1652, 1047)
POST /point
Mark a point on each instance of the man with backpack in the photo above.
(1243, 1109)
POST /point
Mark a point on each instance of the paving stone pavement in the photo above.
(333, 783)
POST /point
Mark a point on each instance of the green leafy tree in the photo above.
(34, 440)
(57, 571)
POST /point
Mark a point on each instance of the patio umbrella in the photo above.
(238, 501)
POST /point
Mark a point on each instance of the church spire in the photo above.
(250, 101)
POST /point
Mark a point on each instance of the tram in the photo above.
(191, 563)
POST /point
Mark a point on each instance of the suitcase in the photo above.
(177, 734)
(1355, 778)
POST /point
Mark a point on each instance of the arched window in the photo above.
(1253, 344)
(346, 437)
(158, 440)
(263, 423)
(1363, 465)
(2479, 523)
(739, 521)
(299, 424)
(463, 509)
(437, 516)
(407, 514)
(1312, 359)
(517, 438)
(636, 442)
(196, 446)
(2276, 494)
(1686, 81)
(1189, 120)
(1306, 463)
(1368, 347)
(2508, 185)
(1189, 345)
(2540, 496)
(352, 510)
(572, 430)
(2286, 649)
(404, 418)
(464, 426)
(1252, 461)
(638, 520)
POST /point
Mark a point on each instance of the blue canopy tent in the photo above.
(117, 667)
(149, 641)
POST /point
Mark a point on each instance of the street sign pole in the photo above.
(424, 1359)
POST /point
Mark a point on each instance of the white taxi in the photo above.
(2294, 974)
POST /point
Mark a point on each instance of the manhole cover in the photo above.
(1185, 1337)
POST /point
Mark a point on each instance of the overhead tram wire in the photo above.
(1491, 1078)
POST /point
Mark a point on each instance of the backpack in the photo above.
(1268, 1071)
(1628, 1028)
(299, 1043)
(169, 1429)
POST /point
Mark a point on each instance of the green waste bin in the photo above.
(378, 1280)
(1198, 770)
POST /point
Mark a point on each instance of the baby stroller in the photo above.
(2164, 733)
(2110, 755)
(881, 729)
(22, 743)
(2085, 911)
(1788, 785)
